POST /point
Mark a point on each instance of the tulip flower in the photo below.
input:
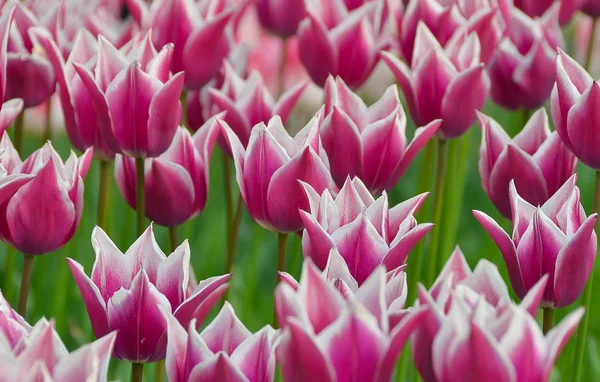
(536, 159)
(9, 112)
(328, 338)
(535, 8)
(369, 143)
(176, 182)
(269, 169)
(225, 350)
(9, 109)
(281, 17)
(591, 7)
(341, 43)
(130, 293)
(555, 239)
(455, 71)
(14, 330)
(365, 231)
(521, 70)
(574, 99)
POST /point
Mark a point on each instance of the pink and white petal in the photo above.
(534, 296)
(288, 100)
(202, 300)
(403, 74)
(255, 357)
(535, 132)
(318, 54)
(88, 363)
(583, 136)
(170, 193)
(112, 270)
(349, 203)
(316, 242)
(226, 332)
(9, 112)
(456, 267)
(493, 141)
(219, 368)
(172, 276)
(176, 362)
(557, 338)
(401, 246)
(371, 295)
(164, 115)
(337, 269)
(145, 254)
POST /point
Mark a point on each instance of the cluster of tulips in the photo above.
(149, 88)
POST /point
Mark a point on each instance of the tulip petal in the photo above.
(165, 114)
(288, 100)
(9, 112)
(318, 54)
(255, 357)
(111, 270)
(535, 132)
(557, 338)
(145, 254)
(403, 75)
(399, 250)
(226, 332)
(316, 242)
(219, 368)
(582, 134)
(172, 276)
(556, 162)
(199, 304)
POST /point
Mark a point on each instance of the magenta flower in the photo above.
(130, 293)
(225, 350)
(281, 17)
(535, 8)
(368, 142)
(41, 199)
(455, 72)
(575, 98)
(340, 43)
(536, 159)
(268, 171)
(9, 109)
(521, 71)
(249, 102)
(555, 239)
(14, 330)
(591, 7)
(365, 231)
(328, 338)
(176, 182)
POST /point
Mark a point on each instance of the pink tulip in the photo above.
(224, 351)
(555, 239)
(337, 42)
(14, 330)
(536, 159)
(368, 142)
(575, 98)
(130, 293)
(533, 8)
(455, 72)
(176, 182)
(9, 112)
(328, 338)
(268, 171)
(281, 17)
(29, 75)
(41, 199)
(9, 109)
(365, 231)
(521, 71)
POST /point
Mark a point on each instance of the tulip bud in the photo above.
(591, 7)
(281, 17)
(535, 8)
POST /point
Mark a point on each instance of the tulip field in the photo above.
(295, 190)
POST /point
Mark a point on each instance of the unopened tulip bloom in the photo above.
(130, 293)
(225, 350)
(365, 231)
(533, 8)
(41, 199)
(536, 159)
(455, 71)
(269, 169)
(337, 42)
(555, 239)
(9, 109)
(176, 182)
(368, 142)
(521, 71)
(575, 98)
(281, 17)
(328, 338)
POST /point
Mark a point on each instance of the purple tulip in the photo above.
(268, 171)
(555, 239)
(521, 71)
(176, 182)
(328, 338)
(591, 7)
(224, 351)
(281, 17)
(566, 9)
(368, 142)
(337, 42)
(365, 231)
(130, 293)
(536, 159)
(248, 102)
(575, 99)
(9, 109)
(41, 199)
(14, 330)
(455, 72)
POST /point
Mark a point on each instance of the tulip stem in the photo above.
(281, 255)
(11, 262)
(160, 371)
(48, 128)
(19, 131)
(173, 237)
(234, 227)
(548, 319)
(282, 67)
(139, 194)
(25, 282)
(103, 192)
(590, 48)
(437, 209)
(587, 298)
(183, 100)
(137, 372)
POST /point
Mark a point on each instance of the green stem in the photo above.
(183, 100)
(139, 195)
(282, 67)
(438, 199)
(548, 319)
(281, 255)
(137, 372)
(590, 48)
(582, 329)
(103, 192)
(233, 232)
(25, 283)
(173, 237)
(11, 263)
(160, 371)
(18, 143)
(48, 128)
(227, 195)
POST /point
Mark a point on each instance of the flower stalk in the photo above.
(139, 189)
(25, 284)
(437, 209)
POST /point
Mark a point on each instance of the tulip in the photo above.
(341, 43)
(9, 109)
(521, 71)
(176, 182)
(555, 239)
(14, 330)
(536, 159)
(535, 8)
(591, 7)
(574, 98)
(369, 143)
(365, 231)
(455, 71)
(328, 338)
(225, 350)
(281, 17)
(130, 292)
(9, 112)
